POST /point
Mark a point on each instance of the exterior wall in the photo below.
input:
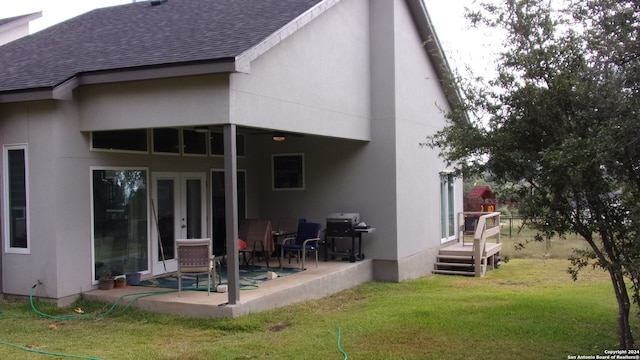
(34, 124)
(326, 89)
(416, 112)
(60, 207)
(420, 106)
(188, 101)
(315, 81)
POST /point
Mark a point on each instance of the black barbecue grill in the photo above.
(343, 226)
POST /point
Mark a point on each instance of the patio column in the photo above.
(231, 212)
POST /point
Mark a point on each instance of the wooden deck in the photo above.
(462, 257)
(458, 259)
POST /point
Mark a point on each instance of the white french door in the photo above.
(178, 211)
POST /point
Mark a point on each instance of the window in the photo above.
(119, 220)
(217, 144)
(123, 140)
(16, 199)
(218, 216)
(447, 207)
(288, 172)
(166, 140)
(195, 142)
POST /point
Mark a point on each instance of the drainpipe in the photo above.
(231, 212)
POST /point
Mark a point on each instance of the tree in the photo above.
(560, 119)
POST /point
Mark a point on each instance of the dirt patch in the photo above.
(279, 327)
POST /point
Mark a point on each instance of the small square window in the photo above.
(288, 172)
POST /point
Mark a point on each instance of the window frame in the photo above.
(7, 207)
(178, 151)
(274, 186)
(149, 220)
(447, 207)
(125, 151)
(183, 145)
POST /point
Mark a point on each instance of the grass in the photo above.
(526, 309)
(513, 234)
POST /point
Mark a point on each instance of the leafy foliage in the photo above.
(560, 120)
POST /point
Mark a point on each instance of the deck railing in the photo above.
(487, 225)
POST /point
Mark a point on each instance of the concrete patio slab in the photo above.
(314, 283)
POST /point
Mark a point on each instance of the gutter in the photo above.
(64, 90)
(435, 51)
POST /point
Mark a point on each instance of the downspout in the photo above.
(231, 212)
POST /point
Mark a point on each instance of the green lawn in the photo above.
(555, 248)
(526, 309)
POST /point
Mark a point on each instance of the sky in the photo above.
(462, 46)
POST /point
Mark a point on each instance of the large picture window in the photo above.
(288, 172)
(120, 220)
(447, 207)
(16, 199)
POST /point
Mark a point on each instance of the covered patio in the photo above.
(328, 278)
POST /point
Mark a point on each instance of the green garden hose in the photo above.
(79, 316)
(47, 352)
(344, 354)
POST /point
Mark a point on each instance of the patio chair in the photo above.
(195, 257)
(257, 235)
(306, 239)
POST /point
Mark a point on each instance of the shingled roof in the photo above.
(161, 38)
(144, 34)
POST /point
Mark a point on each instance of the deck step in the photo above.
(453, 272)
(456, 257)
(454, 264)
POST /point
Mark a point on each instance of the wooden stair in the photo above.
(454, 265)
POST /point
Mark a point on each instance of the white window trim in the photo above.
(447, 173)
(6, 205)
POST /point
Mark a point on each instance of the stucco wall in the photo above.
(33, 124)
(315, 81)
(194, 100)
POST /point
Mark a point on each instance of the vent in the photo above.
(158, 2)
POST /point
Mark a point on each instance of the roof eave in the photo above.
(64, 90)
(284, 32)
(21, 20)
(435, 51)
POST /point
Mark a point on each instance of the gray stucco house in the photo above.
(124, 124)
